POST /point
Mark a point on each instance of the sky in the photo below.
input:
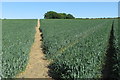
(35, 10)
(60, 0)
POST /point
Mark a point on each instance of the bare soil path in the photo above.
(37, 65)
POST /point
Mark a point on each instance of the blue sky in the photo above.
(34, 10)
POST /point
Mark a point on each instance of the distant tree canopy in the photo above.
(55, 15)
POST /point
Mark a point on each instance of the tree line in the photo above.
(55, 15)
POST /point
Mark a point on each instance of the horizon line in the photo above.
(74, 16)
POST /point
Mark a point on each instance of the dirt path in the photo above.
(37, 66)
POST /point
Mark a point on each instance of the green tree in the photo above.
(52, 15)
(63, 15)
(69, 16)
(55, 15)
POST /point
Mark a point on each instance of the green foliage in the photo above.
(69, 16)
(0, 45)
(77, 47)
(55, 15)
(17, 38)
(51, 15)
(63, 15)
(116, 58)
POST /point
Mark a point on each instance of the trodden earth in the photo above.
(37, 66)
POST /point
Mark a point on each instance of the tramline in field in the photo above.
(78, 48)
